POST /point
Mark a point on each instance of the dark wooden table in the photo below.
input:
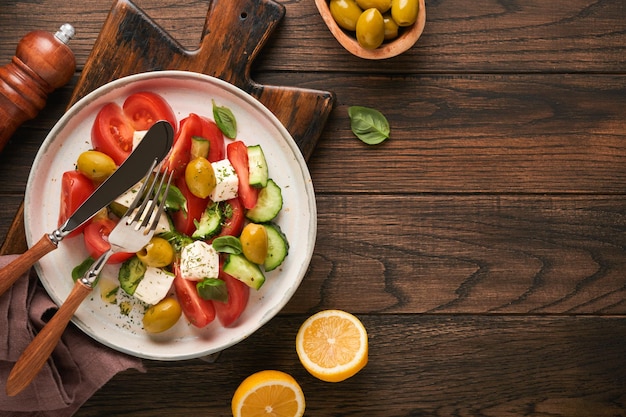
(482, 245)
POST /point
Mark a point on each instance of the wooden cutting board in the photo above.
(234, 33)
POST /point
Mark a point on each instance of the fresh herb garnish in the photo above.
(225, 120)
(177, 239)
(212, 289)
(175, 200)
(227, 210)
(368, 124)
(227, 244)
(82, 268)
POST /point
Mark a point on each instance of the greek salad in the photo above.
(218, 236)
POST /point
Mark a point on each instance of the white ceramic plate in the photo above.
(186, 92)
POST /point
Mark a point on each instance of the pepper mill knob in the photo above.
(42, 63)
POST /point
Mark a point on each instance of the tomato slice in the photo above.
(144, 109)
(237, 152)
(179, 156)
(212, 133)
(97, 242)
(196, 309)
(112, 133)
(184, 220)
(238, 294)
(75, 189)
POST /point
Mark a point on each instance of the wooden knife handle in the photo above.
(10, 273)
(39, 350)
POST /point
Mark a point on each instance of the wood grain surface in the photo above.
(482, 245)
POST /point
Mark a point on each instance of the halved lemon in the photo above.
(332, 345)
(268, 393)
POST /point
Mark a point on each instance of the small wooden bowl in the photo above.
(388, 49)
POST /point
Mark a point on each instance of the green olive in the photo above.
(381, 5)
(404, 12)
(370, 29)
(200, 177)
(254, 242)
(158, 253)
(391, 27)
(160, 317)
(101, 214)
(96, 165)
(346, 13)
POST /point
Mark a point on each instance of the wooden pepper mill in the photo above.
(42, 63)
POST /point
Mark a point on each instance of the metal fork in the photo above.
(131, 234)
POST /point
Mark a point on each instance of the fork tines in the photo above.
(148, 197)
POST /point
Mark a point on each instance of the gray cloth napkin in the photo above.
(79, 365)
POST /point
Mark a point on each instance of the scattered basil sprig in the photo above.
(175, 199)
(368, 124)
(81, 269)
(177, 239)
(212, 289)
(225, 120)
(227, 244)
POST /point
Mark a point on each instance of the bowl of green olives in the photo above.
(374, 29)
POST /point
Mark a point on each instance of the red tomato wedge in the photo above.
(235, 216)
(212, 133)
(238, 292)
(180, 154)
(144, 109)
(184, 220)
(112, 133)
(75, 189)
(238, 156)
(197, 310)
(96, 240)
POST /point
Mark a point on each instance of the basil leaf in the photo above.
(225, 120)
(175, 199)
(368, 124)
(177, 239)
(227, 244)
(212, 289)
(82, 268)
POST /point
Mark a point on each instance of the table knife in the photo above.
(155, 145)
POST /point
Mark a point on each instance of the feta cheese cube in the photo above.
(128, 197)
(226, 181)
(199, 260)
(154, 286)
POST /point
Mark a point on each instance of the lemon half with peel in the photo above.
(332, 345)
(268, 393)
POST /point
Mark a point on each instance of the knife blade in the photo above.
(155, 145)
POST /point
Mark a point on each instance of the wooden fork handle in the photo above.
(10, 273)
(39, 350)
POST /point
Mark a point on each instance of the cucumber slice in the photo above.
(257, 167)
(210, 222)
(245, 271)
(268, 205)
(277, 247)
(199, 147)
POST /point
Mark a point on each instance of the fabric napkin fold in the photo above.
(79, 365)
